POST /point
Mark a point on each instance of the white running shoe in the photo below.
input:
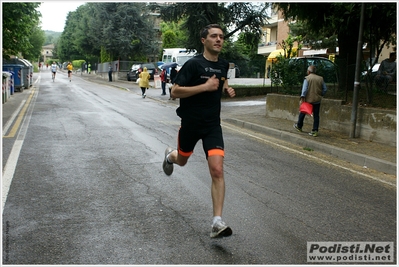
(220, 229)
(167, 167)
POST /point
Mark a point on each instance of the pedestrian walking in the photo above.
(313, 90)
(110, 72)
(70, 68)
(199, 84)
(163, 77)
(144, 82)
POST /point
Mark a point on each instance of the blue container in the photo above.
(27, 70)
(19, 75)
(12, 89)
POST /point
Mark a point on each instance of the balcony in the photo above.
(266, 48)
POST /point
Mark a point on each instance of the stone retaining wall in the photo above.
(377, 125)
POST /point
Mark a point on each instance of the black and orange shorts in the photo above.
(212, 140)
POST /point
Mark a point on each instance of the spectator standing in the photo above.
(163, 77)
(110, 72)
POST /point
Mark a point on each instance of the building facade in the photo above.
(47, 52)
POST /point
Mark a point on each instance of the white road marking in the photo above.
(12, 118)
(313, 157)
(9, 169)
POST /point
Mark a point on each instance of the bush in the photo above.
(77, 64)
(286, 75)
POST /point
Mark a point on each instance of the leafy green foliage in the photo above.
(19, 19)
(285, 74)
(36, 39)
(340, 21)
(169, 39)
(117, 29)
(77, 64)
(179, 34)
(51, 37)
(233, 16)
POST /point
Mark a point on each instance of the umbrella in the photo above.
(168, 65)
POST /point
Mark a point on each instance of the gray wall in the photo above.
(377, 125)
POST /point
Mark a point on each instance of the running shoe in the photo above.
(167, 167)
(314, 133)
(220, 229)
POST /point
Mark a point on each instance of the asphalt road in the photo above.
(88, 188)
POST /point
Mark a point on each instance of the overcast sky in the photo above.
(54, 14)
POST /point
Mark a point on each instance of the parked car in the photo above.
(373, 71)
(133, 74)
(237, 71)
(324, 67)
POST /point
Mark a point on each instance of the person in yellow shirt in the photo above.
(69, 68)
(144, 82)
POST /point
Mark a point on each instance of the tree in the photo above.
(235, 17)
(244, 54)
(66, 48)
(173, 35)
(36, 39)
(118, 30)
(169, 39)
(377, 36)
(342, 20)
(18, 21)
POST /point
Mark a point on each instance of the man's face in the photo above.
(214, 40)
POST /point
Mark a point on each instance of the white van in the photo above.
(178, 55)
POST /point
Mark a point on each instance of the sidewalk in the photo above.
(249, 113)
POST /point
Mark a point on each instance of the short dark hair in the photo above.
(204, 32)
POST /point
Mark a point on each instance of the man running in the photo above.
(53, 70)
(199, 84)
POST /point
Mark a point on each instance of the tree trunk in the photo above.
(346, 60)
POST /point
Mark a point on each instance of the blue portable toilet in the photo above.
(19, 75)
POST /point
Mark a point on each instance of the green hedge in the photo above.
(242, 91)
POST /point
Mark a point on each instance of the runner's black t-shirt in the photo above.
(202, 109)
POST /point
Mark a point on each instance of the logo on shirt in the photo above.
(212, 70)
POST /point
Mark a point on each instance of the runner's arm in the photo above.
(211, 84)
(228, 90)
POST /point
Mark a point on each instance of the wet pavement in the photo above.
(250, 113)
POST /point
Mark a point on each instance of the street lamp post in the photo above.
(357, 75)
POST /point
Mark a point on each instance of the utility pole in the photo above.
(357, 75)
